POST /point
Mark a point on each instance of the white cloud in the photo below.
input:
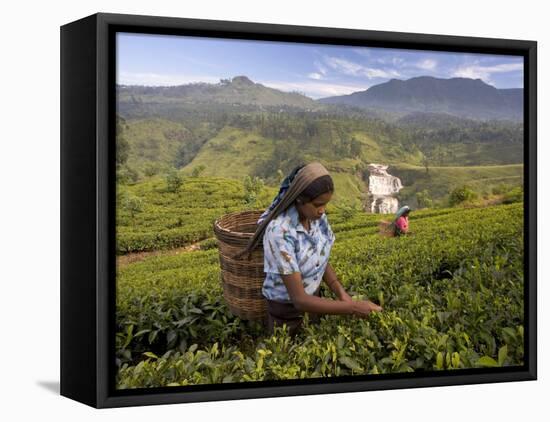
(320, 68)
(395, 61)
(345, 66)
(398, 61)
(316, 76)
(362, 51)
(355, 69)
(427, 64)
(484, 72)
(157, 79)
(315, 89)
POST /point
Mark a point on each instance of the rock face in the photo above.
(382, 188)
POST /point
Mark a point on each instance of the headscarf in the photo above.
(301, 179)
(400, 212)
(285, 184)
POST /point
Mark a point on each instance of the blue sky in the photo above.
(315, 70)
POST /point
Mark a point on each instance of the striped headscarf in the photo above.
(299, 181)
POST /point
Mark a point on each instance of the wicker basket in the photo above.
(241, 279)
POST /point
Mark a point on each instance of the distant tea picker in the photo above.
(297, 241)
(399, 225)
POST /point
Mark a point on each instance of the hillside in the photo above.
(457, 142)
(237, 128)
(154, 141)
(232, 153)
(438, 182)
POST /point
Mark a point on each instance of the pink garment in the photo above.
(402, 224)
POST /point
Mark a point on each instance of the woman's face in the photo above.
(314, 209)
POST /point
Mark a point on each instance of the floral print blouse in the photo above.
(290, 248)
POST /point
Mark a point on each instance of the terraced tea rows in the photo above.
(452, 294)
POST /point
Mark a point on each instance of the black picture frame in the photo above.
(87, 207)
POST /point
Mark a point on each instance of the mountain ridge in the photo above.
(464, 97)
(239, 90)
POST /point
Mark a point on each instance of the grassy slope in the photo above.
(233, 153)
(439, 181)
(240, 151)
(384, 151)
(154, 140)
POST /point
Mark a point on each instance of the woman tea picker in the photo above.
(401, 221)
(297, 241)
(399, 225)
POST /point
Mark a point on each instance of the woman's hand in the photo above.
(319, 305)
(362, 308)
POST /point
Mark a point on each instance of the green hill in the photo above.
(155, 141)
(440, 181)
(268, 144)
(232, 153)
(239, 90)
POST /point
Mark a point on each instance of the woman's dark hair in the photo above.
(318, 187)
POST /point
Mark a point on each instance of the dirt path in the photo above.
(130, 258)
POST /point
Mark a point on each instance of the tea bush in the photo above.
(452, 293)
(169, 219)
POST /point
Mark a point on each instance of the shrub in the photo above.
(501, 189)
(173, 181)
(423, 199)
(126, 175)
(348, 210)
(151, 169)
(208, 244)
(460, 195)
(198, 170)
(252, 188)
(514, 195)
(132, 204)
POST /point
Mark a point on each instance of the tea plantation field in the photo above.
(452, 293)
(149, 217)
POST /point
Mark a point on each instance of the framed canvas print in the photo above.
(255, 210)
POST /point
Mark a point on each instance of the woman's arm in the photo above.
(307, 303)
(332, 282)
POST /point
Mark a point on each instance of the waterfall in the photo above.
(382, 187)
